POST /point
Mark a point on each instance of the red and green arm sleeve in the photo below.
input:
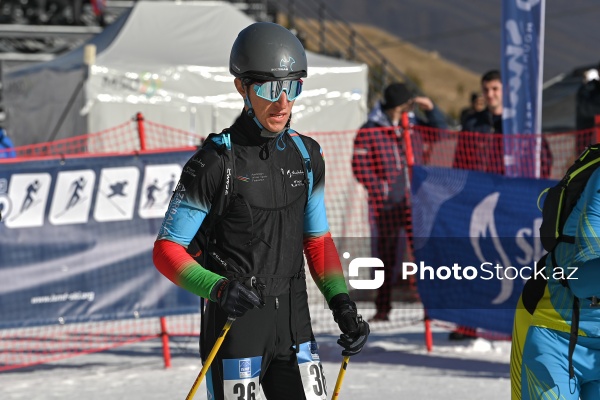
(324, 265)
(173, 261)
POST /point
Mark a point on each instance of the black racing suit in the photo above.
(260, 233)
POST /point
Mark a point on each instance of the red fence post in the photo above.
(428, 334)
(597, 127)
(408, 226)
(410, 162)
(139, 117)
(410, 157)
(165, 339)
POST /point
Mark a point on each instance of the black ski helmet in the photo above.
(265, 51)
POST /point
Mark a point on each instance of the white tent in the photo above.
(169, 61)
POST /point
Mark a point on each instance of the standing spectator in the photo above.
(253, 268)
(379, 165)
(6, 145)
(486, 152)
(479, 152)
(586, 108)
(477, 104)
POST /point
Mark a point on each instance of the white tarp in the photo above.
(169, 61)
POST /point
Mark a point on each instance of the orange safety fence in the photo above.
(130, 136)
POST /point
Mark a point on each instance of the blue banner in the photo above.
(76, 239)
(522, 77)
(479, 234)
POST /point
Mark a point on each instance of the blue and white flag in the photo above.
(522, 78)
(476, 241)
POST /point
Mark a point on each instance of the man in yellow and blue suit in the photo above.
(548, 370)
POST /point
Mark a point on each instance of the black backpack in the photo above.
(561, 198)
(558, 204)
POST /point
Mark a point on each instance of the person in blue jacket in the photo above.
(7, 149)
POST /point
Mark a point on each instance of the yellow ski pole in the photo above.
(210, 358)
(340, 378)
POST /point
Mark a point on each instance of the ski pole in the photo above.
(210, 358)
(340, 378)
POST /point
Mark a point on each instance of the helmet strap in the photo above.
(251, 113)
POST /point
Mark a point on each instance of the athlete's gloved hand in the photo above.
(355, 330)
(235, 298)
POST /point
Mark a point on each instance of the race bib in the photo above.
(241, 378)
(311, 371)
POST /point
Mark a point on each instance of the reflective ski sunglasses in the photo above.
(271, 90)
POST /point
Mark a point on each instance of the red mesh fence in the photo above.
(485, 151)
(130, 136)
(44, 344)
(368, 206)
(119, 139)
(160, 136)
(355, 210)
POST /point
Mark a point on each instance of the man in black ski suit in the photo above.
(248, 204)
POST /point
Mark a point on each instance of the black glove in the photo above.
(355, 330)
(235, 298)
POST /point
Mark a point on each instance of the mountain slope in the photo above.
(445, 82)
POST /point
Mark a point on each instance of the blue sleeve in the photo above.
(182, 220)
(7, 146)
(192, 198)
(436, 119)
(584, 223)
(587, 236)
(585, 281)
(315, 216)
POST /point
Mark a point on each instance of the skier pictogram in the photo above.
(169, 187)
(150, 190)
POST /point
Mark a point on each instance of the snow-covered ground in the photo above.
(394, 365)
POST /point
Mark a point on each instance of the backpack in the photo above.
(562, 198)
(558, 204)
(203, 243)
